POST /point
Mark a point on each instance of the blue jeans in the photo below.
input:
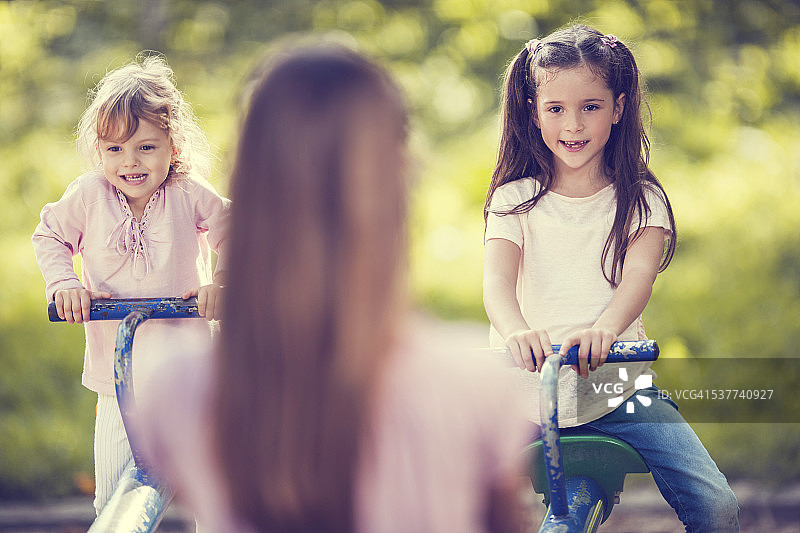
(683, 470)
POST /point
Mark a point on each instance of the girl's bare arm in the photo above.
(501, 265)
(638, 275)
(633, 292)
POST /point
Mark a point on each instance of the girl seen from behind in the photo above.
(324, 407)
(144, 220)
(577, 228)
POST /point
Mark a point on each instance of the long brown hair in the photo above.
(316, 264)
(523, 153)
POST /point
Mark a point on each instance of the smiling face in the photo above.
(139, 165)
(575, 111)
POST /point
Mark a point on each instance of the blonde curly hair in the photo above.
(144, 89)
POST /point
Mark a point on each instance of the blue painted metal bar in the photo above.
(140, 499)
(620, 352)
(629, 351)
(585, 508)
(116, 309)
(123, 375)
(548, 413)
(137, 504)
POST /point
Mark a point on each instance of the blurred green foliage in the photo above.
(724, 89)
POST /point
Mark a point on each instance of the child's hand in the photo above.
(525, 343)
(73, 305)
(209, 300)
(594, 344)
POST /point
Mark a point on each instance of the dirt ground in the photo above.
(641, 510)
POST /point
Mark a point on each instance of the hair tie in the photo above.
(609, 40)
(533, 46)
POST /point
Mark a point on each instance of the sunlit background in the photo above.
(724, 89)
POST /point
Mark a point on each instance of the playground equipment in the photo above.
(138, 502)
(581, 474)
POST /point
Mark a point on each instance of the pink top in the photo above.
(448, 429)
(164, 254)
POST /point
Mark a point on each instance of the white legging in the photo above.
(112, 452)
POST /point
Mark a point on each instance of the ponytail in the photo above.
(522, 152)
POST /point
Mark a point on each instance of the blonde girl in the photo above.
(577, 228)
(144, 221)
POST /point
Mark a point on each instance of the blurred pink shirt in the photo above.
(164, 254)
(447, 429)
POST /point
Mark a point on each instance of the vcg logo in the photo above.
(642, 382)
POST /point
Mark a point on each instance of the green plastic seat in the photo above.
(598, 456)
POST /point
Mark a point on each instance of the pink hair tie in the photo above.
(610, 40)
(533, 46)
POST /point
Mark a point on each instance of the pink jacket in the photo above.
(162, 255)
(447, 427)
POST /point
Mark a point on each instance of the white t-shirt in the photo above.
(561, 287)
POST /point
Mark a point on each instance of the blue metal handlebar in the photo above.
(140, 499)
(117, 309)
(621, 352)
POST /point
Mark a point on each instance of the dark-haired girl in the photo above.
(577, 229)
